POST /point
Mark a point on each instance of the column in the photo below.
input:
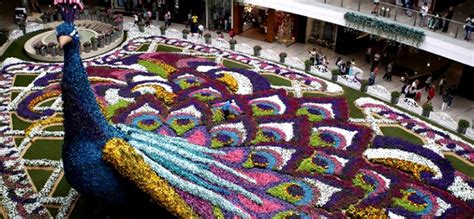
(271, 26)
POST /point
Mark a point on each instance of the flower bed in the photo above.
(273, 156)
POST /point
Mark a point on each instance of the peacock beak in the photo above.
(63, 40)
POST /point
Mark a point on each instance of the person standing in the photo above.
(312, 56)
(449, 16)
(441, 85)
(338, 62)
(431, 93)
(388, 72)
(135, 18)
(148, 18)
(428, 82)
(232, 33)
(368, 55)
(200, 29)
(423, 13)
(376, 7)
(190, 15)
(376, 60)
(469, 27)
(194, 25)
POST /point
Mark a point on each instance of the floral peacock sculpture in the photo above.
(206, 141)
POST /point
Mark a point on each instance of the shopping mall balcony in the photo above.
(450, 44)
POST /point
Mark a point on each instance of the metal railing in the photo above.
(432, 22)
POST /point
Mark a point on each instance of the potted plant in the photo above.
(334, 73)
(37, 48)
(185, 33)
(163, 30)
(94, 43)
(43, 51)
(207, 38)
(232, 43)
(101, 41)
(364, 84)
(54, 51)
(87, 46)
(50, 47)
(427, 108)
(307, 64)
(462, 126)
(256, 50)
(108, 39)
(283, 56)
(395, 97)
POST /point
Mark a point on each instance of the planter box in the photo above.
(282, 59)
(426, 113)
(95, 45)
(394, 100)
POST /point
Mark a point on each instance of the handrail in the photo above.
(418, 11)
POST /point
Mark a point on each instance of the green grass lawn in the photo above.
(62, 189)
(144, 48)
(53, 211)
(19, 124)
(39, 177)
(16, 48)
(277, 81)
(460, 165)
(231, 64)
(55, 128)
(24, 80)
(44, 149)
(166, 48)
(402, 134)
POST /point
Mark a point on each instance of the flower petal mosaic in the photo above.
(204, 140)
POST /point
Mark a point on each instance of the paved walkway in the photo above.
(461, 108)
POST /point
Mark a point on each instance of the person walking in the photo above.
(148, 18)
(448, 16)
(469, 27)
(338, 62)
(441, 84)
(423, 13)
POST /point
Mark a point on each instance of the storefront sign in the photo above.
(410, 105)
(444, 120)
(349, 81)
(380, 92)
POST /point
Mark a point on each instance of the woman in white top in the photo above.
(423, 14)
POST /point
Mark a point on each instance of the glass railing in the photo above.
(430, 22)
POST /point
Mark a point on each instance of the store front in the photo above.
(268, 24)
(321, 33)
(219, 14)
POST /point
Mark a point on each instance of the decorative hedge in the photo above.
(390, 30)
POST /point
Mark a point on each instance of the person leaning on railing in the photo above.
(469, 27)
(448, 16)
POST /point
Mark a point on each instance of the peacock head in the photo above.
(67, 34)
